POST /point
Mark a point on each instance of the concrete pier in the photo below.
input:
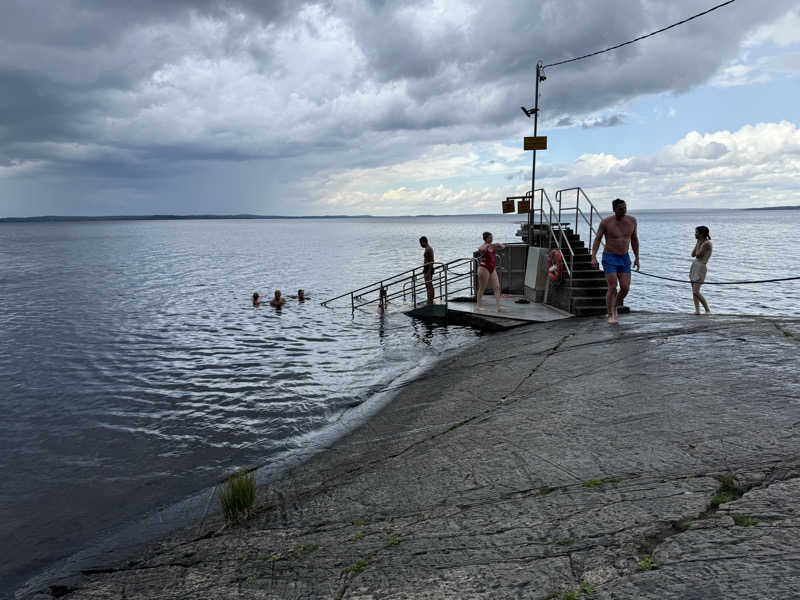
(655, 459)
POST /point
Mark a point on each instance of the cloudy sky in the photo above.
(374, 107)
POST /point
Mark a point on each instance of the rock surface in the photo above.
(656, 459)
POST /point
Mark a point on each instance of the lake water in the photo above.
(135, 370)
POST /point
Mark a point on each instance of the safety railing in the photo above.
(409, 287)
(594, 218)
(550, 225)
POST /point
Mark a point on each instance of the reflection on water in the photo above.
(136, 369)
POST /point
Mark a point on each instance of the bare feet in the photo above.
(697, 312)
(612, 319)
(479, 307)
(708, 312)
(500, 309)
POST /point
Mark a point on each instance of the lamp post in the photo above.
(535, 112)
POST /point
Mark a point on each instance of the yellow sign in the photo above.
(508, 206)
(524, 206)
(535, 143)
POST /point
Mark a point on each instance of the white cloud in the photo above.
(754, 166)
(739, 74)
(783, 32)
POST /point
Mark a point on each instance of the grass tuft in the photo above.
(745, 520)
(646, 563)
(728, 491)
(301, 549)
(358, 566)
(238, 496)
(598, 482)
(683, 525)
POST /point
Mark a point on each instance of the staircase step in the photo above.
(589, 311)
(589, 301)
(578, 273)
(594, 282)
(595, 292)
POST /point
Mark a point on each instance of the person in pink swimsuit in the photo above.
(486, 270)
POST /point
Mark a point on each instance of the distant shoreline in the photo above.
(794, 207)
(64, 218)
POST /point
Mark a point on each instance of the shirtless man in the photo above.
(277, 301)
(427, 270)
(620, 233)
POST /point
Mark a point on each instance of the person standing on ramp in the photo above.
(427, 269)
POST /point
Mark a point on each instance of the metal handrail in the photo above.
(410, 282)
(578, 212)
(552, 224)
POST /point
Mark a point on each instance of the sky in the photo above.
(392, 108)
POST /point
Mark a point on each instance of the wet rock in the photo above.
(547, 458)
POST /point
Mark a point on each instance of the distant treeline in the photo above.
(59, 218)
(53, 218)
(796, 206)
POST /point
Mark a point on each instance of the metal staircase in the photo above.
(582, 289)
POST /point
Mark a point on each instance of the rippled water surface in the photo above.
(135, 370)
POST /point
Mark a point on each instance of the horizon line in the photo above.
(242, 216)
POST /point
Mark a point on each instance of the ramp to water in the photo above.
(465, 311)
(532, 312)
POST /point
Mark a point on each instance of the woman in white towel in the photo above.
(697, 273)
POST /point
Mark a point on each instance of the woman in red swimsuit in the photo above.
(486, 270)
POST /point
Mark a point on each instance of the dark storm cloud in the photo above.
(92, 86)
(32, 107)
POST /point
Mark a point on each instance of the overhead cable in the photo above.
(555, 64)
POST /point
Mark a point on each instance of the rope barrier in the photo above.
(719, 282)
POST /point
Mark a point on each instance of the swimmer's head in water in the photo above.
(277, 293)
(255, 296)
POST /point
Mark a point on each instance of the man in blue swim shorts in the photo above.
(619, 231)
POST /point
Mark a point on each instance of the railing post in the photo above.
(352, 303)
(414, 288)
(471, 278)
(577, 207)
(445, 285)
(558, 199)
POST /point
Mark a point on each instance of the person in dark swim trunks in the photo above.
(427, 270)
(619, 231)
(486, 269)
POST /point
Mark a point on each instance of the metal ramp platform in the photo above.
(465, 311)
(404, 292)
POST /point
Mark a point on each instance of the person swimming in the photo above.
(256, 300)
(277, 301)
